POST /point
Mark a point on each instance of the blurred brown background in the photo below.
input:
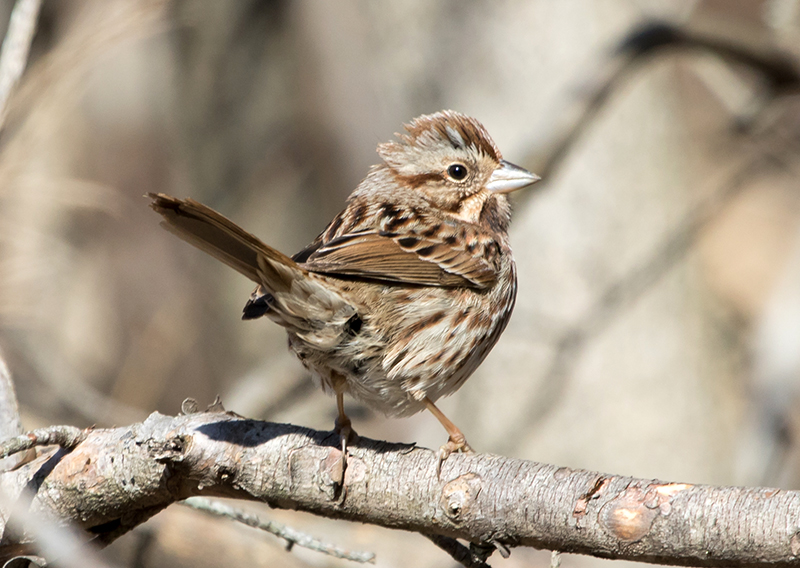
(657, 329)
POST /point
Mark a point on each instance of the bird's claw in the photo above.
(452, 445)
(347, 436)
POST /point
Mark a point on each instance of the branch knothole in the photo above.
(173, 449)
(459, 496)
(225, 474)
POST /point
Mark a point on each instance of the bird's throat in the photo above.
(470, 208)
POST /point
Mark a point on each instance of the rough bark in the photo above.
(117, 478)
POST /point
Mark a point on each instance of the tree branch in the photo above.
(64, 436)
(117, 478)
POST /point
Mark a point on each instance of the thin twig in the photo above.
(290, 535)
(65, 436)
(15, 48)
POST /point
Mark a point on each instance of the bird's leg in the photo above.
(457, 441)
(343, 427)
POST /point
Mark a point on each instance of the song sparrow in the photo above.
(405, 292)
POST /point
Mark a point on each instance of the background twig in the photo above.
(290, 535)
(15, 48)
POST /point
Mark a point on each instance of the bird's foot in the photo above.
(344, 429)
(347, 436)
(454, 444)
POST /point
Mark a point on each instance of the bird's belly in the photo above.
(423, 344)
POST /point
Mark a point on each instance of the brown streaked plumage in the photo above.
(405, 292)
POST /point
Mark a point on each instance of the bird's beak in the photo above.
(508, 178)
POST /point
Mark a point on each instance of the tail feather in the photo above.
(216, 235)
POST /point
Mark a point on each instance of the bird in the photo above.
(401, 297)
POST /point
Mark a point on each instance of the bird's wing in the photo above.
(408, 257)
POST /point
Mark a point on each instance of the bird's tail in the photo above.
(209, 231)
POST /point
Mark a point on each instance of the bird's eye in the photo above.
(457, 172)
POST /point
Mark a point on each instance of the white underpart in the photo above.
(471, 207)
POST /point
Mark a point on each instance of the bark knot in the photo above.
(459, 496)
(597, 490)
(173, 448)
(630, 515)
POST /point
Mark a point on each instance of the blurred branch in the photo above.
(10, 423)
(49, 541)
(297, 392)
(15, 48)
(52, 539)
(631, 286)
(778, 69)
(72, 391)
(117, 478)
(291, 536)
